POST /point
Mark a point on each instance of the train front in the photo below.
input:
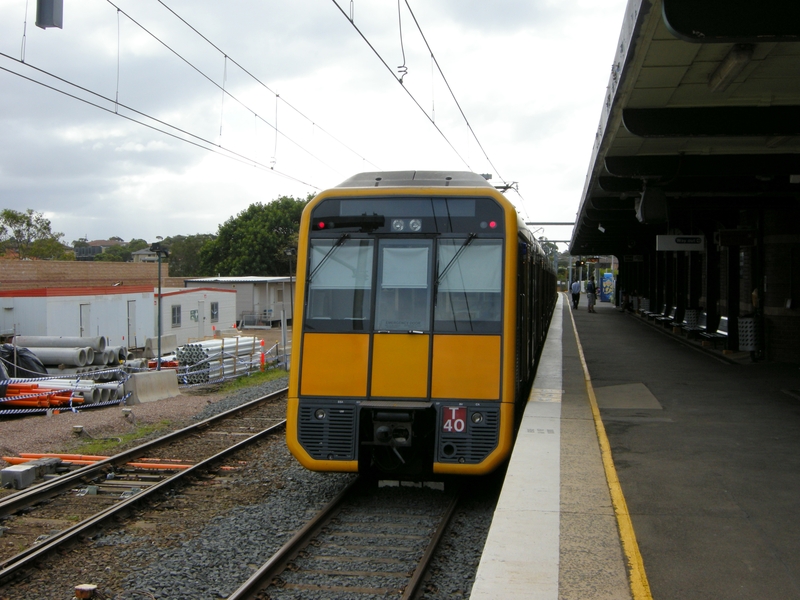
(402, 359)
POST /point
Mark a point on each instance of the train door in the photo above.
(403, 299)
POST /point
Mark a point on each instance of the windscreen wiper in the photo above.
(328, 254)
(453, 260)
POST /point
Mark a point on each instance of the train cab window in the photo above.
(339, 285)
(469, 287)
(404, 282)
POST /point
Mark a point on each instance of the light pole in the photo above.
(161, 251)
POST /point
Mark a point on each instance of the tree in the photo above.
(114, 254)
(184, 254)
(137, 244)
(50, 249)
(21, 229)
(255, 241)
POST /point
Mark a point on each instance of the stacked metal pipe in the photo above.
(210, 360)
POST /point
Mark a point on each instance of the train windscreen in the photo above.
(405, 264)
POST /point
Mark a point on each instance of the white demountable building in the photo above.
(259, 300)
(126, 315)
(193, 314)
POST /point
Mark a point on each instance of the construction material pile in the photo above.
(43, 372)
(214, 360)
(75, 355)
(30, 395)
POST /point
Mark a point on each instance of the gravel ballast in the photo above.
(211, 562)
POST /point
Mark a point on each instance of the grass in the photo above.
(108, 446)
(256, 378)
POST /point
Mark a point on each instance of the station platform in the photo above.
(646, 467)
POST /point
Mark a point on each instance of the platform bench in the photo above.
(694, 331)
(720, 335)
(653, 315)
(668, 317)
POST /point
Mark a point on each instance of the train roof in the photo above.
(415, 179)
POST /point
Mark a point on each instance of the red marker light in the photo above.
(492, 224)
(321, 225)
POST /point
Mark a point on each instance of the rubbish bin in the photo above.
(748, 334)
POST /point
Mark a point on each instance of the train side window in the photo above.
(469, 295)
(404, 283)
(339, 286)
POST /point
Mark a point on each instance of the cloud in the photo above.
(530, 77)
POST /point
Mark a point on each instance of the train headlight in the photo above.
(398, 225)
(477, 418)
(319, 414)
(415, 224)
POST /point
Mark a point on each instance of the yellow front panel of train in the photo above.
(334, 364)
(466, 366)
(400, 365)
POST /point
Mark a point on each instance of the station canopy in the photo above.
(702, 113)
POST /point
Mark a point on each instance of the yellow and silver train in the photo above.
(422, 303)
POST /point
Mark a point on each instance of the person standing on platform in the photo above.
(591, 294)
(576, 293)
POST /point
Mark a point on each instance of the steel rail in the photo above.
(250, 589)
(34, 553)
(25, 498)
(415, 583)
(262, 578)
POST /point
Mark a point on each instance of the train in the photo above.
(422, 303)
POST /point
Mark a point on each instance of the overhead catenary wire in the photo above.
(201, 143)
(217, 85)
(452, 93)
(410, 95)
(432, 116)
(264, 85)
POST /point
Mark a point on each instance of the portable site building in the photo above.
(127, 315)
(123, 314)
(193, 314)
(259, 300)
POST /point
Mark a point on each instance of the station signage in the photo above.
(680, 242)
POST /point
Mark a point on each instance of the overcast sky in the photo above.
(530, 76)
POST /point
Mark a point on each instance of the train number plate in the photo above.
(454, 419)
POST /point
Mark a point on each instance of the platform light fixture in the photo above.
(730, 67)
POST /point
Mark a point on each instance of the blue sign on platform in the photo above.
(606, 287)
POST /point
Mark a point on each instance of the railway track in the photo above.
(368, 541)
(115, 488)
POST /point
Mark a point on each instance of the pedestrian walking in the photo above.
(576, 293)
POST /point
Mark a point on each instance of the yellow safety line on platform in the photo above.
(640, 587)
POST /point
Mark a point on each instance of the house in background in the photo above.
(144, 256)
(259, 300)
(96, 247)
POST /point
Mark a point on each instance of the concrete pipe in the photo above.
(98, 344)
(62, 356)
(100, 358)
